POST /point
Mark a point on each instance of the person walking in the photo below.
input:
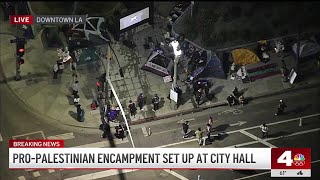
(55, 71)
(281, 107)
(210, 121)
(199, 134)
(264, 129)
(155, 102)
(185, 128)
(198, 96)
(141, 101)
(76, 99)
(206, 90)
(80, 113)
(75, 88)
(106, 130)
(209, 132)
(73, 67)
(132, 108)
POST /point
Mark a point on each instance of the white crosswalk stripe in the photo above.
(62, 136)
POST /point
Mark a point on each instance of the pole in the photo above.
(18, 75)
(175, 67)
(107, 75)
(121, 109)
(192, 4)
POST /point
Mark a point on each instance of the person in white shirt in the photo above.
(75, 88)
(55, 71)
(264, 129)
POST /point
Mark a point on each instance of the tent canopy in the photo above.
(213, 68)
(244, 56)
(307, 48)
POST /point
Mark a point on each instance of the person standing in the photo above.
(141, 101)
(155, 102)
(199, 134)
(75, 88)
(80, 113)
(185, 127)
(106, 130)
(198, 96)
(132, 108)
(210, 121)
(281, 107)
(206, 90)
(73, 66)
(76, 99)
(264, 129)
(55, 71)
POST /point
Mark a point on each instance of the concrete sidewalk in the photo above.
(50, 97)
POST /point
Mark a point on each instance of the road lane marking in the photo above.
(101, 144)
(28, 134)
(243, 144)
(1, 139)
(101, 174)
(244, 129)
(21, 178)
(144, 131)
(176, 174)
(184, 120)
(258, 139)
(64, 136)
(36, 174)
(255, 175)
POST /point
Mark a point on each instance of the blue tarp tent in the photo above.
(213, 68)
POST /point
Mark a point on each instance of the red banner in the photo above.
(40, 143)
(21, 19)
(291, 158)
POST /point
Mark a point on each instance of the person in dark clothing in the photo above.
(80, 113)
(198, 96)
(206, 90)
(231, 100)
(132, 108)
(119, 132)
(55, 71)
(281, 107)
(141, 101)
(155, 102)
(178, 90)
(236, 92)
(106, 130)
(185, 127)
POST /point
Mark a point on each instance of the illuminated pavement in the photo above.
(167, 133)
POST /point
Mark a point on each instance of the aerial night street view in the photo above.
(126, 75)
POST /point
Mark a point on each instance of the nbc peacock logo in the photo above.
(299, 160)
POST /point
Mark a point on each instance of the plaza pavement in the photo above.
(51, 97)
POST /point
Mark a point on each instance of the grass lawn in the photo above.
(224, 24)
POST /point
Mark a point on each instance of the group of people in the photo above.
(141, 101)
(235, 98)
(199, 132)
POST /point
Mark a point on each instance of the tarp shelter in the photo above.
(307, 48)
(158, 64)
(213, 68)
(85, 55)
(244, 56)
(95, 30)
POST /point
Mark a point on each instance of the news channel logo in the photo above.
(299, 160)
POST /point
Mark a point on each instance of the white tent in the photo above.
(94, 30)
(307, 48)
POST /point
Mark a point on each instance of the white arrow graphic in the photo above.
(184, 120)
(239, 123)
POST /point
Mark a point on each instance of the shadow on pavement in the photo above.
(281, 133)
(300, 109)
(221, 127)
(217, 90)
(73, 115)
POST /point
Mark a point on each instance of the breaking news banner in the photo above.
(51, 154)
(48, 19)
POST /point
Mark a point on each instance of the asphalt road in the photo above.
(239, 124)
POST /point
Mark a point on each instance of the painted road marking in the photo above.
(184, 120)
(36, 174)
(244, 129)
(62, 136)
(176, 175)
(255, 175)
(234, 111)
(28, 134)
(102, 144)
(1, 139)
(21, 178)
(144, 131)
(258, 139)
(239, 123)
(101, 174)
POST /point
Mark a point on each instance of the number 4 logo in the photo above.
(285, 158)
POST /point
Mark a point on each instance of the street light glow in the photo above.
(175, 45)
